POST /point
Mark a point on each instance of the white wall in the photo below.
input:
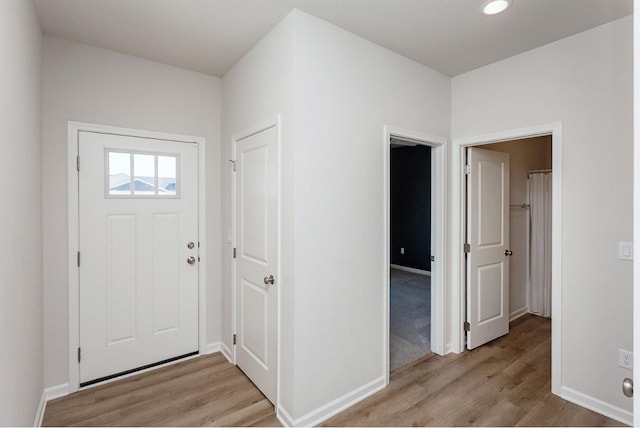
(524, 155)
(258, 88)
(347, 89)
(21, 364)
(636, 200)
(585, 81)
(335, 92)
(88, 84)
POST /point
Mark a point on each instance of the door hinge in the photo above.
(467, 326)
(467, 169)
(234, 253)
(78, 259)
(432, 258)
(234, 164)
(467, 248)
(234, 339)
(79, 354)
(78, 162)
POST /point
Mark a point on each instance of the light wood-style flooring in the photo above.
(504, 383)
(204, 391)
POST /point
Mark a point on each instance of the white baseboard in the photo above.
(284, 417)
(410, 269)
(56, 391)
(49, 394)
(210, 348)
(323, 413)
(597, 405)
(518, 313)
(226, 352)
(37, 422)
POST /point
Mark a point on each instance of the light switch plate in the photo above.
(625, 250)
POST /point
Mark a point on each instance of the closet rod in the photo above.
(526, 206)
(539, 171)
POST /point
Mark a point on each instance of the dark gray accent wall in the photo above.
(411, 206)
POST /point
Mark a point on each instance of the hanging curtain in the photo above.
(540, 265)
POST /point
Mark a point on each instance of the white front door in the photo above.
(488, 239)
(138, 260)
(256, 220)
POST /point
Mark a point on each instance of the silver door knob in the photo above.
(191, 260)
(190, 245)
(269, 280)
(508, 253)
(627, 387)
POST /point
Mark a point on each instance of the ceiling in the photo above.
(209, 36)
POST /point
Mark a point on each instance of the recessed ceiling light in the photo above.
(493, 7)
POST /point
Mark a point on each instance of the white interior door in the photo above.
(138, 215)
(488, 239)
(256, 222)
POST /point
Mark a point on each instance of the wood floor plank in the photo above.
(504, 383)
(136, 387)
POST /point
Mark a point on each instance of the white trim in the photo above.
(273, 122)
(438, 238)
(73, 129)
(410, 269)
(202, 242)
(224, 349)
(518, 313)
(42, 405)
(457, 225)
(334, 407)
(56, 391)
(212, 348)
(597, 405)
(284, 417)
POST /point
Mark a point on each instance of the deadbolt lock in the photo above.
(191, 245)
(269, 280)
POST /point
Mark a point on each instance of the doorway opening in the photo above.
(458, 307)
(410, 250)
(414, 250)
(508, 232)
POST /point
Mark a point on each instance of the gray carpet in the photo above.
(410, 320)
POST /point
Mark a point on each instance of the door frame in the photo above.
(273, 122)
(438, 239)
(73, 130)
(458, 279)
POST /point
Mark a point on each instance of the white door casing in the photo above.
(138, 295)
(439, 225)
(256, 227)
(457, 236)
(488, 239)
